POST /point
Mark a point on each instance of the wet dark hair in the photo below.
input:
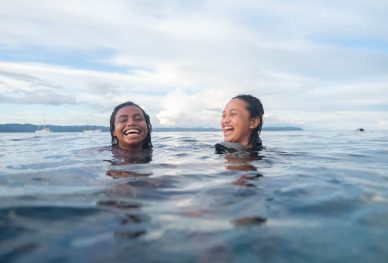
(255, 109)
(147, 141)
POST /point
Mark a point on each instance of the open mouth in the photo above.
(228, 130)
(132, 132)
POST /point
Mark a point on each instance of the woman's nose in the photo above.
(130, 121)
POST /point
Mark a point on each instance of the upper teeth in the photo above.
(228, 128)
(132, 131)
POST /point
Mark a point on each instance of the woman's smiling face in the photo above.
(130, 128)
(236, 122)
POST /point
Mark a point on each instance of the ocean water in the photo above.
(308, 197)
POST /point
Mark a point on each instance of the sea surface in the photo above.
(309, 196)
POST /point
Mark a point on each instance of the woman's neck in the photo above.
(134, 148)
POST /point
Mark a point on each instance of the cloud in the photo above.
(25, 89)
(84, 86)
(203, 109)
(183, 60)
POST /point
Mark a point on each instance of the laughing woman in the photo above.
(242, 120)
(130, 130)
(130, 127)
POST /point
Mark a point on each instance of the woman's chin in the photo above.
(228, 138)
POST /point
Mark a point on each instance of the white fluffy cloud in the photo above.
(196, 110)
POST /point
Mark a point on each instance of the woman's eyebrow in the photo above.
(223, 112)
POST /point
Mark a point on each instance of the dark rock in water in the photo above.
(249, 220)
(360, 129)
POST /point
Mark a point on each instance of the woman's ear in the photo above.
(254, 123)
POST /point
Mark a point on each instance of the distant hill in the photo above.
(16, 127)
(282, 128)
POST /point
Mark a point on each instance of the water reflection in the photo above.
(249, 220)
(123, 159)
(128, 196)
(242, 161)
(132, 221)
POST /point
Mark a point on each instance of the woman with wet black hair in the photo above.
(130, 127)
(242, 120)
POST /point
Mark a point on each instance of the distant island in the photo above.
(17, 127)
(282, 128)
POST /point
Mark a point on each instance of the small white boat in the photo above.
(43, 131)
(92, 131)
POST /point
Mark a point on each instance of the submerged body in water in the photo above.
(322, 196)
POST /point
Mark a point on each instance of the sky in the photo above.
(313, 64)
